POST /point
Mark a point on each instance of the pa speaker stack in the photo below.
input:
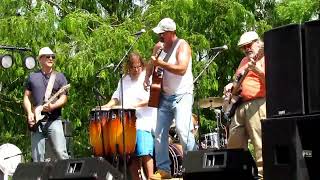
(292, 56)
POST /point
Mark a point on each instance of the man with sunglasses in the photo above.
(34, 95)
(176, 97)
(245, 123)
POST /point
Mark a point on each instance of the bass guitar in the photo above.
(38, 116)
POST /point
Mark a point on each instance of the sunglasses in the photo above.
(50, 56)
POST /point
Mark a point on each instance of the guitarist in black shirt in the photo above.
(35, 96)
(247, 96)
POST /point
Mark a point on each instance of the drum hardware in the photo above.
(217, 139)
(211, 102)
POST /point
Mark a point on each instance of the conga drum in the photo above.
(115, 129)
(98, 132)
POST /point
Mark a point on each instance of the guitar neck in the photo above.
(52, 98)
(238, 83)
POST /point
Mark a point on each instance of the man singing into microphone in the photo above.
(176, 94)
(245, 123)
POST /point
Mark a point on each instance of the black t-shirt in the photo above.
(37, 83)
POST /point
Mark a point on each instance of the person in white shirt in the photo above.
(134, 96)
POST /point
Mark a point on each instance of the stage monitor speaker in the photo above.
(312, 63)
(219, 164)
(289, 150)
(84, 169)
(284, 71)
(32, 171)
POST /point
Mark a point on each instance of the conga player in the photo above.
(134, 96)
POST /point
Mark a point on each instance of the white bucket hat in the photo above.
(164, 25)
(247, 38)
(45, 51)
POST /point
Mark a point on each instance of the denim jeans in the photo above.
(52, 130)
(178, 107)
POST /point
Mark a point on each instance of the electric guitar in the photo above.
(232, 101)
(38, 116)
(155, 87)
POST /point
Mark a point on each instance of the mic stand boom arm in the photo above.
(195, 82)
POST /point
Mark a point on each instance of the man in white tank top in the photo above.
(176, 94)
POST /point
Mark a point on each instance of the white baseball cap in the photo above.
(248, 37)
(45, 51)
(164, 25)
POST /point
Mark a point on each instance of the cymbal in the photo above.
(211, 102)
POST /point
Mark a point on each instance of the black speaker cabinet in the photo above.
(284, 71)
(84, 169)
(32, 171)
(289, 147)
(219, 164)
(312, 65)
(292, 54)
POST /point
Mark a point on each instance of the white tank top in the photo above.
(177, 84)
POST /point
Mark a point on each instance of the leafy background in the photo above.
(88, 34)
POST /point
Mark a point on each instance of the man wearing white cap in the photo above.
(176, 97)
(36, 94)
(245, 123)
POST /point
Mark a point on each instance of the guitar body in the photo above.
(155, 88)
(38, 116)
(37, 111)
(230, 105)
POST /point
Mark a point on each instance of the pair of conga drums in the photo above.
(106, 131)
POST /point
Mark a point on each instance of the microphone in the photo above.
(140, 32)
(220, 48)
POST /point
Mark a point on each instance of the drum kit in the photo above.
(217, 139)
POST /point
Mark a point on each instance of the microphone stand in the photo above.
(99, 97)
(122, 109)
(195, 82)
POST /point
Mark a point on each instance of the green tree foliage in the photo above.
(89, 34)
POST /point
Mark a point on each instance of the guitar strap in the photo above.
(166, 58)
(50, 86)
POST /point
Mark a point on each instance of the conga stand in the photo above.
(195, 82)
(119, 66)
(99, 98)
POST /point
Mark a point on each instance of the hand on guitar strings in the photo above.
(47, 108)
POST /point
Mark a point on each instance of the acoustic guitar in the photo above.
(38, 116)
(155, 87)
